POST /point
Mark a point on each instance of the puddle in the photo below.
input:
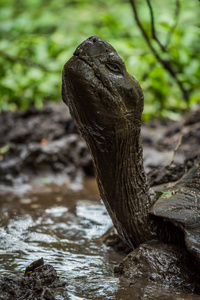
(64, 227)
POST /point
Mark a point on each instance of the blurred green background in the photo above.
(38, 36)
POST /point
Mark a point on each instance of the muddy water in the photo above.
(64, 227)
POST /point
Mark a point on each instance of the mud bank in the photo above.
(45, 147)
(41, 146)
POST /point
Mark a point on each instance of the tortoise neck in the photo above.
(118, 161)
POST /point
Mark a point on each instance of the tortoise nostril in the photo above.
(76, 53)
(94, 39)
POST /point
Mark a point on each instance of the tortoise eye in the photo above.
(113, 68)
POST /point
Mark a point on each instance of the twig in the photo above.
(132, 2)
(23, 61)
(166, 63)
(175, 150)
(176, 17)
(153, 30)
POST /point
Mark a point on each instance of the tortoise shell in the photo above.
(181, 206)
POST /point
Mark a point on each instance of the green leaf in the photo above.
(158, 193)
(167, 194)
(5, 149)
(46, 180)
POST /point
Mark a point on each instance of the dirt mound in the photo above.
(41, 284)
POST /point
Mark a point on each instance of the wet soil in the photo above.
(65, 228)
(41, 146)
(166, 264)
(40, 284)
(44, 146)
(50, 208)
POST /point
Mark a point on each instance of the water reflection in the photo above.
(64, 227)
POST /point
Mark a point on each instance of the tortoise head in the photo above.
(98, 89)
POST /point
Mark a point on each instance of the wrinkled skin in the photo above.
(106, 103)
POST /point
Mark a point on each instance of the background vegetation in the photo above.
(38, 36)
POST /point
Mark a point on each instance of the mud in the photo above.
(41, 146)
(45, 146)
(65, 228)
(41, 284)
(160, 139)
(178, 271)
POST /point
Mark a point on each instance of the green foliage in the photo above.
(38, 37)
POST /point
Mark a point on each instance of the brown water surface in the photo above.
(64, 225)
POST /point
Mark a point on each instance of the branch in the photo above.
(23, 61)
(153, 30)
(166, 63)
(141, 27)
(176, 17)
(175, 150)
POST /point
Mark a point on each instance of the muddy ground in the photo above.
(41, 145)
(44, 146)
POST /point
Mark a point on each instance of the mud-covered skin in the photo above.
(100, 75)
(106, 103)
